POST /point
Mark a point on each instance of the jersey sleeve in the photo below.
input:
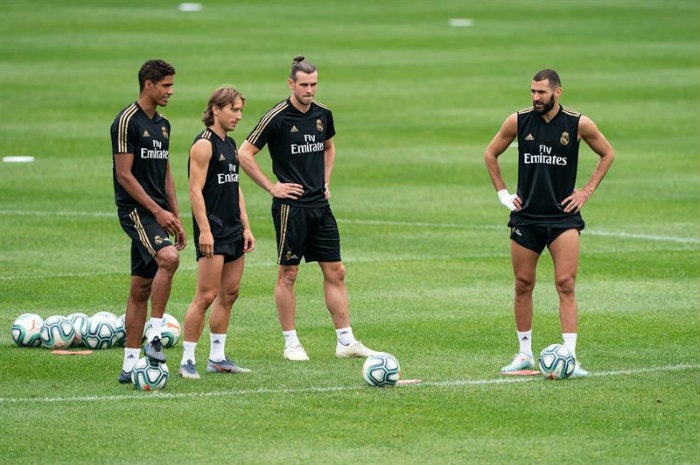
(262, 132)
(330, 127)
(123, 133)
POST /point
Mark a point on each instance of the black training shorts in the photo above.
(230, 250)
(309, 232)
(147, 238)
(537, 237)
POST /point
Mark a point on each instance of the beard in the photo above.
(546, 106)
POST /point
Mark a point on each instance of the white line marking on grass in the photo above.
(521, 379)
(244, 392)
(58, 213)
(648, 237)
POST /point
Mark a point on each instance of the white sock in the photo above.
(156, 325)
(290, 338)
(525, 340)
(131, 356)
(188, 352)
(570, 342)
(345, 336)
(216, 347)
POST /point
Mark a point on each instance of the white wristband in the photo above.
(506, 199)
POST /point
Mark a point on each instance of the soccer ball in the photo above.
(99, 332)
(108, 315)
(120, 331)
(149, 375)
(78, 320)
(381, 370)
(57, 332)
(170, 331)
(26, 329)
(556, 362)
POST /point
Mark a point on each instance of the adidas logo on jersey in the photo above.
(529, 137)
(294, 129)
(146, 134)
(221, 157)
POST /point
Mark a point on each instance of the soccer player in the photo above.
(299, 134)
(144, 192)
(222, 234)
(546, 208)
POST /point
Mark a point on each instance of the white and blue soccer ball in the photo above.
(99, 332)
(556, 362)
(381, 370)
(26, 329)
(149, 375)
(57, 332)
(120, 331)
(78, 320)
(109, 315)
(170, 331)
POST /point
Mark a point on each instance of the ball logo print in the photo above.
(556, 362)
(381, 370)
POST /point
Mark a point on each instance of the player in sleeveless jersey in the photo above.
(546, 208)
(144, 192)
(222, 233)
(299, 134)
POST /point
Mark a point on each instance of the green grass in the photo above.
(424, 239)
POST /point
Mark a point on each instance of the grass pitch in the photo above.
(424, 239)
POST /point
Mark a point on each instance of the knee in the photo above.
(141, 291)
(205, 298)
(565, 285)
(229, 296)
(524, 284)
(287, 276)
(336, 274)
(168, 259)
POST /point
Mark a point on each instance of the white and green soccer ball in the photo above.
(26, 329)
(149, 375)
(381, 370)
(78, 320)
(57, 332)
(556, 362)
(120, 331)
(110, 315)
(170, 331)
(99, 332)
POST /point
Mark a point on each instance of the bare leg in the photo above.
(137, 310)
(335, 293)
(284, 295)
(168, 260)
(228, 294)
(524, 268)
(565, 255)
(209, 272)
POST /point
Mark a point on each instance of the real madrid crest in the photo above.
(164, 131)
(319, 125)
(564, 140)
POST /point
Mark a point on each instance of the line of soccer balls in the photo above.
(103, 330)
